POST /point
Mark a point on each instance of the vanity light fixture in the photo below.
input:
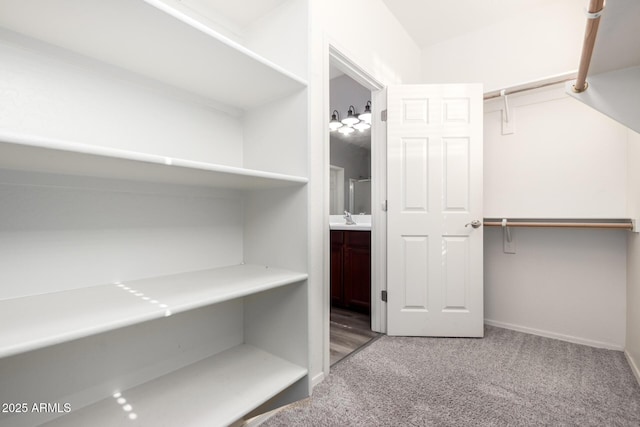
(335, 122)
(352, 122)
(351, 118)
(366, 115)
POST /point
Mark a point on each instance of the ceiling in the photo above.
(432, 21)
(427, 21)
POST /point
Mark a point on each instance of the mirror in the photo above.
(360, 196)
(350, 178)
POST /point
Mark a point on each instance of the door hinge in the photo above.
(383, 115)
(385, 206)
(384, 296)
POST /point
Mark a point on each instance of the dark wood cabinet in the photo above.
(337, 268)
(351, 270)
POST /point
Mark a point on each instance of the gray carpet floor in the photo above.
(505, 379)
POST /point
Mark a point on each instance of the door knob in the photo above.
(475, 224)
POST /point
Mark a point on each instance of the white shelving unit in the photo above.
(144, 338)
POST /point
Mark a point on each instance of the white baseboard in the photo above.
(633, 365)
(549, 334)
(317, 380)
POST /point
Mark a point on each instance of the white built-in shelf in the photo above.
(32, 322)
(155, 40)
(33, 153)
(213, 392)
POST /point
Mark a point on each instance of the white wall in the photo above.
(73, 98)
(369, 34)
(633, 256)
(562, 283)
(390, 56)
(564, 160)
(538, 44)
(280, 36)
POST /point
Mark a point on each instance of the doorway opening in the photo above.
(350, 214)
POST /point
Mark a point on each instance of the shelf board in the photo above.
(38, 154)
(29, 323)
(215, 391)
(157, 41)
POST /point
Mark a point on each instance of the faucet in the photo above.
(348, 219)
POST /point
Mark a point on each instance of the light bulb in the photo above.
(346, 130)
(362, 126)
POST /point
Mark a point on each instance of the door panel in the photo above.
(456, 174)
(456, 279)
(416, 272)
(434, 155)
(415, 174)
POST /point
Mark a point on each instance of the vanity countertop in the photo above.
(362, 223)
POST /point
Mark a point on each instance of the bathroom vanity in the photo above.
(351, 269)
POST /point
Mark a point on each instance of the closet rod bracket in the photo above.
(594, 15)
(507, 115)
(508, 244)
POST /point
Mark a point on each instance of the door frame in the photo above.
(347, 65)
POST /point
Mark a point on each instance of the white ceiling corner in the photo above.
(430, 22)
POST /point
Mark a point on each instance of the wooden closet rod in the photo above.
(590, 33)
(621, 224)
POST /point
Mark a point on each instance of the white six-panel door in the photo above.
(434, 143)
